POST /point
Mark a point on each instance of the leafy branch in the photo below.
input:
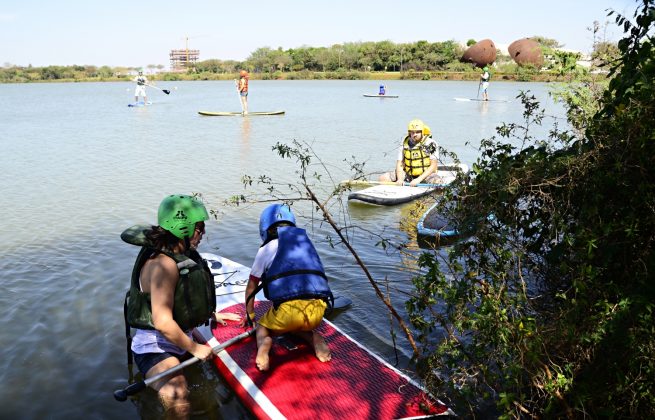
(304, 156)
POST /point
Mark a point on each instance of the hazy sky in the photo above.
(138, 33)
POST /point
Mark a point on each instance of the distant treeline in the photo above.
(362, 60)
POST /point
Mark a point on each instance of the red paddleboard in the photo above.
(355, 384)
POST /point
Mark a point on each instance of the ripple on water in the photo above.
(77, 171)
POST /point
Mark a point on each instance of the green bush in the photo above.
(547, 308)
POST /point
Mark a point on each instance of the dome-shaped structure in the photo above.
(526, 51)
(481, 53)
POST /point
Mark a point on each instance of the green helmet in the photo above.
(179, 214)
(485, 68)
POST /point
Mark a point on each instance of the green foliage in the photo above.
(547, 305)
(362, 56)
(564, 63)
(605, 54)
(525, 73)
(546, 42)
(341, 61)
(582, 102)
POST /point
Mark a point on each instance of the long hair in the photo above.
(161, 239)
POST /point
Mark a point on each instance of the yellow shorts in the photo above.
(294, 315)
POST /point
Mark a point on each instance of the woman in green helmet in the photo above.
(172, 291)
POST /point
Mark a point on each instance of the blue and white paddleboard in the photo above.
(380, 96)
(433, 223)
(139, 104)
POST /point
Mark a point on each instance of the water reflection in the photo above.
(209, 397)
(77, 171)
(484, 107)
(244, 148)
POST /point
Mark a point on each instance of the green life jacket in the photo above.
(195, 293)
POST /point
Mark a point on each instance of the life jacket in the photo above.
(488, 76)
(195, 294)
(417, 159)
(243, 87)
(296, 271)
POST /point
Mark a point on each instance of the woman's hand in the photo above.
(221, 317)
(201, 351)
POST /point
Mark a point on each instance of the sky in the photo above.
(141, 33)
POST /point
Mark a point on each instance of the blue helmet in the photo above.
(274, 214)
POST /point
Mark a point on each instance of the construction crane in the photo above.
(186, 44)
(186, 47)
(184, 58)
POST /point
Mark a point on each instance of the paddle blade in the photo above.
(341, 302)
(166, 91)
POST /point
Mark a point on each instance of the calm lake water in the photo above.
(79, 166)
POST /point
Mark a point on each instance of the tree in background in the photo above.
(547, 307)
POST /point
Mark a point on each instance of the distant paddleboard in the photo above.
(139, 104)
(479, 100)
(234, 114)
(381, 96)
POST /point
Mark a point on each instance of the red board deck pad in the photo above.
(355, 384)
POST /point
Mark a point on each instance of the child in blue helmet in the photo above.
(290, 271)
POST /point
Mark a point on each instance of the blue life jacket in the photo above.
(296, 271)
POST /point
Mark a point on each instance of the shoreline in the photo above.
(543, 76)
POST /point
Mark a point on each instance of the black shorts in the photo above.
(146, 361)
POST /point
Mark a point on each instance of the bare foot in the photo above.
(321, 348)
(262, 353)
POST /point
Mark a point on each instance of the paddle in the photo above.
(478, 95)
(368, 182)
(166, 91)
(122, 394)
(341, 302)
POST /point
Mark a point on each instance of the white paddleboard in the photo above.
(388, 194)
(234, 114)
(479, 100)
(380, 96)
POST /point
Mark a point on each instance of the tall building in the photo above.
(181, 60)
